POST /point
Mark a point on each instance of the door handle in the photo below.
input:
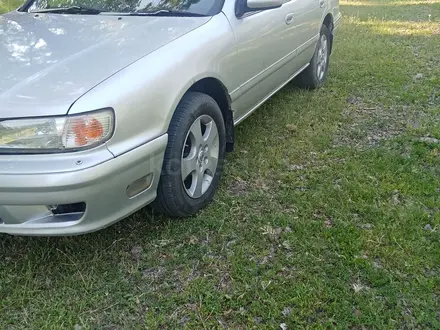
(289, 18)
(321, 3)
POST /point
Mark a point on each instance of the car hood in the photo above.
(47, 61)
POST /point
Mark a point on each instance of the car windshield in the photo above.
(132, 7)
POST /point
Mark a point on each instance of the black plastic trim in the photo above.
(241, 8)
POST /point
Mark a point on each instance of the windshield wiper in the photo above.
(69, 10)
(162, 12)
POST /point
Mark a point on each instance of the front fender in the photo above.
(145, 94)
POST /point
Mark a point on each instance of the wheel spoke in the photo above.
(211, 134)
(197, 192)
(196, 130)
(200, 164)
(212, 165)
(189, 164)
(322, 58)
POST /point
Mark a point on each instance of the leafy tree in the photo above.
(119, 5)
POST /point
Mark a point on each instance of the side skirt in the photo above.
(238, 121)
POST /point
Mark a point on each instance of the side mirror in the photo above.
(244, 6)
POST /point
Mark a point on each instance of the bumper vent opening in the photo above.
(67, 208)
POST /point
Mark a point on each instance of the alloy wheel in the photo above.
(322, 57)
(200, 156)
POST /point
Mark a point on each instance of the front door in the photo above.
(260, 46)
(267, 42)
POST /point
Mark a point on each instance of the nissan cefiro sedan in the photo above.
(107, 106)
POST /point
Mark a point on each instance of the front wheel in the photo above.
(315, 74)
(194, 157)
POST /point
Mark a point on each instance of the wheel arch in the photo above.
(329, 22)
(218, 91)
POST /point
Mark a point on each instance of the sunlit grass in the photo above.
(403, 11)
(387, 3)
(403, 28)
(8, 5)
(390, 27)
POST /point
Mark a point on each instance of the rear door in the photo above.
(309, 15)
(296, 33)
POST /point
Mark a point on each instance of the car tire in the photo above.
(315, 74)
(194, 157)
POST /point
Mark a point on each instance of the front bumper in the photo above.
(103, 188)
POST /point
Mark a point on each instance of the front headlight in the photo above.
(52, 134)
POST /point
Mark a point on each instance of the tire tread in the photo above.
(308, 78)
(167, 202)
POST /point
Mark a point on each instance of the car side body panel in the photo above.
(249, 61)
(252, 57)
(145, 94)
(273, 46)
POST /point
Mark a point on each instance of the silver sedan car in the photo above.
(107, 106)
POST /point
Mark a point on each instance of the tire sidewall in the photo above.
(196, 107)
(324, 31)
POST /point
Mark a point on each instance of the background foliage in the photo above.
(8, 5)
(109, 5)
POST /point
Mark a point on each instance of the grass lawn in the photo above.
(8, 5)
(328, 215)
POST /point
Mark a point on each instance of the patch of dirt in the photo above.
(367, 226)
(377, 264)
(261, 184)
(396, 198)
(328, 222)
(296, 167)
(238, 187)
(136, 252)
(366, 126)
(152, 273)
(291, 128)
(225, 283)
(287, 272)
(268, 257)
(181, 277)
(326, 219)
(286, 311)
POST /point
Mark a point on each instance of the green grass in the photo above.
(319, 221)
(8, 5)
